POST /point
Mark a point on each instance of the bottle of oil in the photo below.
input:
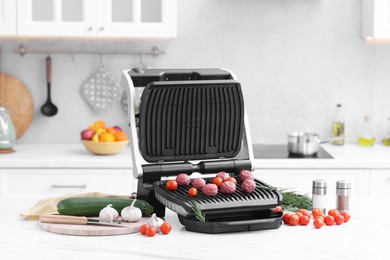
(338, 125)
(386, 140)
(366, 138)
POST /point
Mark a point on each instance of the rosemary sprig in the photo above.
(198, 212)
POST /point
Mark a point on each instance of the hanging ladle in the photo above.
(48, 109)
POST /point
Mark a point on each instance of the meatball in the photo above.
(183, 179)
(248, 185)
(228, 187)
(246, 174)
(223, 175)
(210, 189)
(198, 183)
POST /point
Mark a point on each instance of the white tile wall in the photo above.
(295, 59)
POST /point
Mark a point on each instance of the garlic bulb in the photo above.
(131, 213)
(155, 222)
(108, 214)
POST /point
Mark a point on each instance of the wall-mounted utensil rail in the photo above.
(23, 50)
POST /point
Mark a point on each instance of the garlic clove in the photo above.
(131, 213)
(108, 214)
(155, 222)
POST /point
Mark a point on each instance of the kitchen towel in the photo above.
(49, 205)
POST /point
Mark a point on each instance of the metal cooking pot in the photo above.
(306, 143)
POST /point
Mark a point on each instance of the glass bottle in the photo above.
(338, 125)
(386, 139)
(366, 138)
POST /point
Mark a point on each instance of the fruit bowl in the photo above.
(104, 148)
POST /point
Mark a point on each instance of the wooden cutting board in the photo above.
(93, 230)
(15, 96)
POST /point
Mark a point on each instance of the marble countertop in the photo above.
(350, 156)
(366, 236)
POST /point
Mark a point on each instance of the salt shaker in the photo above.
(343, 193)
(319, 195)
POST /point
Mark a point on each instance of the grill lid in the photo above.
(191, 120)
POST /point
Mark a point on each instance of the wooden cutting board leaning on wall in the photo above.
(15, 96)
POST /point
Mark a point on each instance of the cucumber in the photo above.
(91, 206)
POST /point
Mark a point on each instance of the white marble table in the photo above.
(366, 236)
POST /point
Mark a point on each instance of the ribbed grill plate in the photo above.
(191, 120)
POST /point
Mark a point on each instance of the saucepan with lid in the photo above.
(306, 143)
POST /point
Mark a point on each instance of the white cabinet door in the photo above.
(137, 18)
(380, 183)
(7, 17)
(101, 18)
(40, 183)
(376, 19)
(301, 180)
(57, 17)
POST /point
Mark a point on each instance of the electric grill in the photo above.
(194, 121)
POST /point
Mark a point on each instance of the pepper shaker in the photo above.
(319, 195)
(343, 193)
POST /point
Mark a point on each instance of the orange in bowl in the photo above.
(106, 137)
(104, 148)
(120, 136)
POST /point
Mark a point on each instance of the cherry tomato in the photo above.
(318, 223)
(286, 217)
(143, 229)
(171, 185)
(333, 212)
(277, 209)
(232, 180)
(329, 220)
(320, 217)
(151, 231)
(299, 214)
(316, 213)
(192, 192)
(339, 219)
(346, 216)
(304, 220)
(294, 220)
(305, 212)
(217, 181)
(165, 228)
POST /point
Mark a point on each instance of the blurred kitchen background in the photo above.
(295, 59)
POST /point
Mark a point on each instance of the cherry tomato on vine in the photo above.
(192, 192)
(232, 180)
(171, 185)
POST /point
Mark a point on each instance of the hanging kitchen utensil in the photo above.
(100, 90)
(48, 109)
(7, 132)
(15, 96)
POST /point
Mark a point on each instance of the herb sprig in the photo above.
(198, 211)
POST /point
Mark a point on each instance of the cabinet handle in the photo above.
(101, 28)
(81, 186)
(90, 28)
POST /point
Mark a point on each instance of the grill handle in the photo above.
(173, 169)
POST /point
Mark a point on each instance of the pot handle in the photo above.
(331, 139)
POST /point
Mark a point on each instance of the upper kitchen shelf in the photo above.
(88, 18)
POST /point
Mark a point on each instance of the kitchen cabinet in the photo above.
(376, 19)
(7, 17)
(301, 179)
(380, 183)
(40, 183)
(96, 18)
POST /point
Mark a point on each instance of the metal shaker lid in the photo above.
(319, 183)
(343, 184)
